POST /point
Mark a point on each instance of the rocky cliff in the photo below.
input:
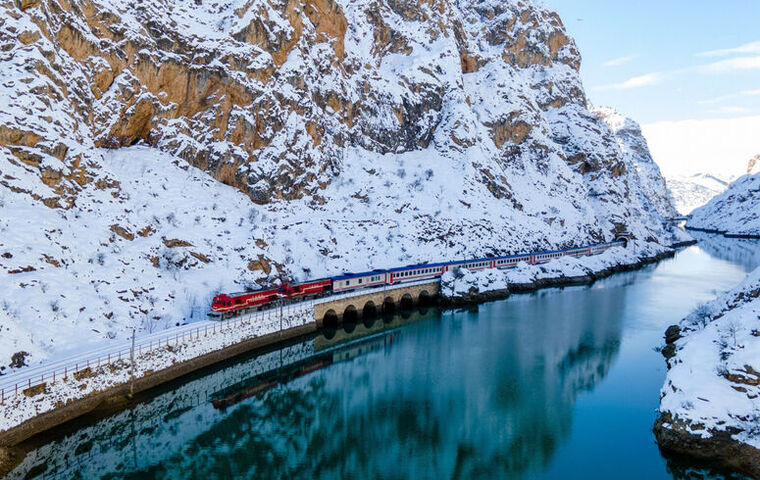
(735, 212)
(653, 192)
(282, 139)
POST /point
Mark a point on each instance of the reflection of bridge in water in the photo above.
(333, 346)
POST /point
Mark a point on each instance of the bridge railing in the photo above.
(35, 378)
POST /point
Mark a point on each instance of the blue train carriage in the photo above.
(351, 281)
(412, 273)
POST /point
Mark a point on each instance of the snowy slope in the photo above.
(692, 191)
(712, 381)
(282, 141)
(736, 211)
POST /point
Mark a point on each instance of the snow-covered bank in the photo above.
(464, 286)
(23, 404)
(710, 402)
(735, 212)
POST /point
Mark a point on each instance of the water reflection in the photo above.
(740, 251)
(487, 392)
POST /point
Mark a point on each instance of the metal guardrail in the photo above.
(13, 384)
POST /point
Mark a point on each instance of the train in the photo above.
(226, 305)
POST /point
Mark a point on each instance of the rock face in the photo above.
(709, 403)
(653, 191)
(735, 212)
(283, 139)
(753, 166)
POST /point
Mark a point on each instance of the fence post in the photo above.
(132, 372)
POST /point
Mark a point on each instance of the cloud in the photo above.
(635, 82)
(732, 110)
(616, 62)
(720, 147)
(731, 65)
(751, 48)
(723, 98)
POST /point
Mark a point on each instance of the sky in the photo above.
(688, 71)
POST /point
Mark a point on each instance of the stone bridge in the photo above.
(367, 303)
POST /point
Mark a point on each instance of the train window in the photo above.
(360, 281)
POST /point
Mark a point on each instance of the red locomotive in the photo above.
(228, 305)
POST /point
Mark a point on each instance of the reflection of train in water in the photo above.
(260, 384)
(228, 305)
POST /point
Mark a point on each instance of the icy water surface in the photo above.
(554, 385)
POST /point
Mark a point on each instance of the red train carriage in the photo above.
(228, 305)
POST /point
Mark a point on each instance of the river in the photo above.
(562, 383)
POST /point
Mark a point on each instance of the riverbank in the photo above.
(725, 233)
(710, 401)
(467, 288)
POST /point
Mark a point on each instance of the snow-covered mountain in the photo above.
(283, 140)
(692, 191)
(735, 211)
(654, 192)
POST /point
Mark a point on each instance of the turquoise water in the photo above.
(553, 385)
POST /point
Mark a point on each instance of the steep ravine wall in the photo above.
(155, 152)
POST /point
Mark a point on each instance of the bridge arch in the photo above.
(330, 319)
(389, 306)
(350, 314)
(424, 299)
(406, 302)
(369, 310)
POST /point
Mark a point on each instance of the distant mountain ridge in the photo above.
(735, 212)
(692, 191)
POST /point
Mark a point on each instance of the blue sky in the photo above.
(648, 58)
(688, 71)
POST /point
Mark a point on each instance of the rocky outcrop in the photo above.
(753, 166)
(709, 402)
(735, 212)
(653, 190)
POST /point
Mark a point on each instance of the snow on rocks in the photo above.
(710, 401)
(735, 212)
